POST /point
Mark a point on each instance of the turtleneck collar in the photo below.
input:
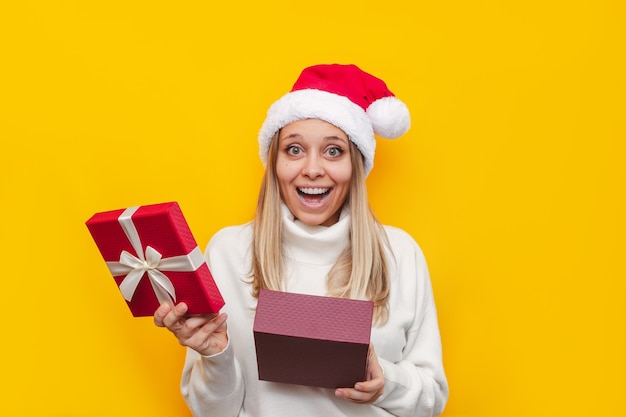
(319, 245)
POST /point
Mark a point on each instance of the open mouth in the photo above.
(313, 195)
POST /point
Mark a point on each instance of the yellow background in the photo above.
(511, 179)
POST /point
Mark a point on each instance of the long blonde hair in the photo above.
(361, 271)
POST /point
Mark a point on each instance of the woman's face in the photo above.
(313, 168)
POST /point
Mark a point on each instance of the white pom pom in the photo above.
(390, 117)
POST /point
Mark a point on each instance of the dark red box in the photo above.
(312, 340)
(153, 257)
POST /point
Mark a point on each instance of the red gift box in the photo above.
(154, 258)
(312, 340)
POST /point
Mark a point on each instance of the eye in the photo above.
(293, 150)
(334, 151)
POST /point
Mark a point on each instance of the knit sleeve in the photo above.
(212, 385)
(416, 384)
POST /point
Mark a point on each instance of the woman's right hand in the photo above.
(206, 334)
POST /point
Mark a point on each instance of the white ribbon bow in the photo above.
(150, 262)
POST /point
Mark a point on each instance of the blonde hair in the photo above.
(361, 271)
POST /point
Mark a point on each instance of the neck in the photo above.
(320, 245)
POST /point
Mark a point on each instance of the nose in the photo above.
(313, 167)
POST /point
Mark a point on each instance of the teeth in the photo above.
(313, 190)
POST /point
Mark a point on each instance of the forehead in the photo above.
(312, 128)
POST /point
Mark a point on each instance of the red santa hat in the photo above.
(344, 95)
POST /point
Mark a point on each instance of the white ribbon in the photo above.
(150, 262)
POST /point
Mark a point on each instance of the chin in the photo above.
(321, 220)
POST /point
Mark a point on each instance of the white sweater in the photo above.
(408, 346)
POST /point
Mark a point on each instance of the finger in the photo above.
(370, 390)
(175, 318)
(373, 366)
(160, 314)
(372, 387)
(201, 338)
(198, 321)
(201, 328)
(214, 323)
(356, 396)
(188, 326)
(374, 372)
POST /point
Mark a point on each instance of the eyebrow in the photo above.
(331, 137)
(293, 135)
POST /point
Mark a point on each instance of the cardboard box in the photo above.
(312, 340)
(153, 257)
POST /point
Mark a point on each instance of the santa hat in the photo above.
(344, 95)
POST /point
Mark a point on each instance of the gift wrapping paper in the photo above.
(154, 258)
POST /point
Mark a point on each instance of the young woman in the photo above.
(314, 233)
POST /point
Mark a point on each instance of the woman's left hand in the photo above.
(366, 392)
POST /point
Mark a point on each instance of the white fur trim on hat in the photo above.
(317, 104)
